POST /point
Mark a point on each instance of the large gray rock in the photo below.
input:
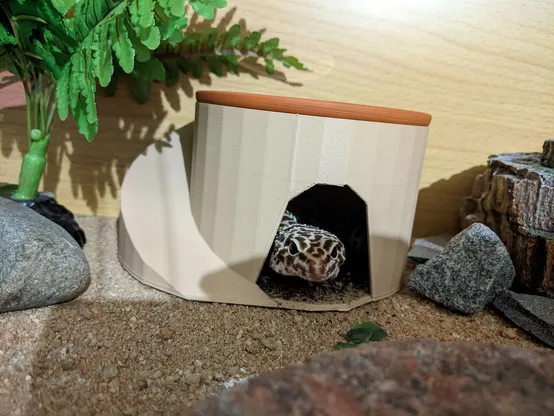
(533, 313)
(40, 263)
(398, 378)
(474, 267)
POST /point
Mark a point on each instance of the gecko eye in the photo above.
(335, 252)
(293, 248)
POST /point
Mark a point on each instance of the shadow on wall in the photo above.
(96, 169)
(438, 204)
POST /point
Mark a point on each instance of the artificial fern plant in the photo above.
(63, 49)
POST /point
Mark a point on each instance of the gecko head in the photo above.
(309, 253)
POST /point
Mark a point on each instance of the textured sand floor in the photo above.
(124, 348)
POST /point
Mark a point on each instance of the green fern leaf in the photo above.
(206, 11)
(176, 7)
(216, 4)
(6, 38)
(77, 84)
(122, 46)
(48, 59)
(269, 45)
(75, 80)
(62, 93)
(294, 62)
(150, 37)
(233, 37)
(63, 6)
(102, 58)
(142, 12)
(269, 66)
(231, 61)
(31, 18)
(89, 130)
(142, 52)
(89, 87)
(87, 13)
(252, 40)
(173, 29)
(206, 8)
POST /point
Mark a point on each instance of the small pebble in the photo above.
(192, 379)
(110, 370)
(114, 387)
(173, 378)
(509, 333)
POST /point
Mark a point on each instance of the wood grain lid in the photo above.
(311, 107)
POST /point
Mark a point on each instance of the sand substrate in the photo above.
(124, 348)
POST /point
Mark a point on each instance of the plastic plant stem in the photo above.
(40, 107)
(32, 167)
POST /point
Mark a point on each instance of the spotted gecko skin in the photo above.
(306, 251)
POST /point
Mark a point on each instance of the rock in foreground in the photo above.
(533, 313)
(40, 263)
(468, 275)
(399, 378)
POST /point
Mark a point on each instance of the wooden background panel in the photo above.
(484, 69)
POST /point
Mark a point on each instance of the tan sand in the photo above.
(124, 348)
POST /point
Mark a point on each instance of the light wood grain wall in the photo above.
(484, 69)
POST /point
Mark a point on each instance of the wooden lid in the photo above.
(310, 107)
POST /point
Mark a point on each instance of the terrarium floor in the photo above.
(125, 348)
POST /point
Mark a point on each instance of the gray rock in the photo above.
(474, 267)
(535, 314)
(40, 263)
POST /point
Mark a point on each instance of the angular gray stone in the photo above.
(40, 263)
(426, 248)
(535, 314)
(474, 267)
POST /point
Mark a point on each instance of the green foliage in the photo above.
(362, 332)
(206, 8)
(216, 50)
(82, 43)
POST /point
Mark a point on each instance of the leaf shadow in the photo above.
(247, 66)
(7, 79)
